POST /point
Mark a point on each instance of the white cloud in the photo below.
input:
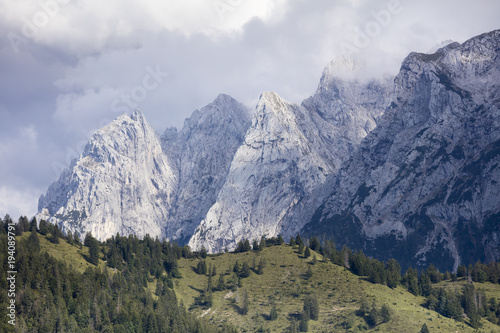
(86, 27)
(17, 202)
(87, 54)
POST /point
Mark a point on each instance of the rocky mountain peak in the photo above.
(138, 116)
(272, 101)
(275, 179)
(122, 183)
(421, 186)
(399, 167)
(341, 68)
(202, 153)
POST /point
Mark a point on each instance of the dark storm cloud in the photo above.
(88, 62)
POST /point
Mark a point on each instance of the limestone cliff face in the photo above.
(404, 167)
(281, 173)
(423, 186)
(202, 153)
(131, 181)
(122, 182)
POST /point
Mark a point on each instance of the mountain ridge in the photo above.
(409, 161)
(413, 190)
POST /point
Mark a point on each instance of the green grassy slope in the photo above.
(285, 285)
(72, 255)
(339, 293)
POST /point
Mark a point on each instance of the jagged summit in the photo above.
(281, 172)
(399, 167)
(422, 186)
(223, 99)
(343, 68)
(272, 98)
(122, 183)
(269, 179)
(202, 152)
(137, 115)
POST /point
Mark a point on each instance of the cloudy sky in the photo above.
(68, 67)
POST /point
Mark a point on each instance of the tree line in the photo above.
(54, 297)
(137, 262)
(452, 304)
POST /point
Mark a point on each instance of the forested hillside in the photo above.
(67, 284)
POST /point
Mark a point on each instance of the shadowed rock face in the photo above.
(202, 153)
(404, 168)
(130, 181)
(424, 185)
(282, 171)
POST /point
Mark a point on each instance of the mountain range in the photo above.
(403, 167)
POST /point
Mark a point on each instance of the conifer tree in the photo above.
(78, 241)
(424, 329)
(237, 267)
(88, 238)
(311, 307)
(34, 241)
(462, 271)
(210, 285)
(364, 308)
(262, 244)
(314, 244)
(201, 267)
(385, 313)
(393, 273)
(93, 251)
(273, 315)
(246, 246)
(301, 248)
(221, 285)
(373, 315)
(56, 233)
(281, 241)
(425, 284)
(33, 225)
(160, 288)
(22, 225)
(298, 240)
(245, 302)
(44, 227)
(304, 322)
(209, 299)
(307, 252)
(203, 252)
(453, 308)
(261, 266)
(69, 237)
(245, 270)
